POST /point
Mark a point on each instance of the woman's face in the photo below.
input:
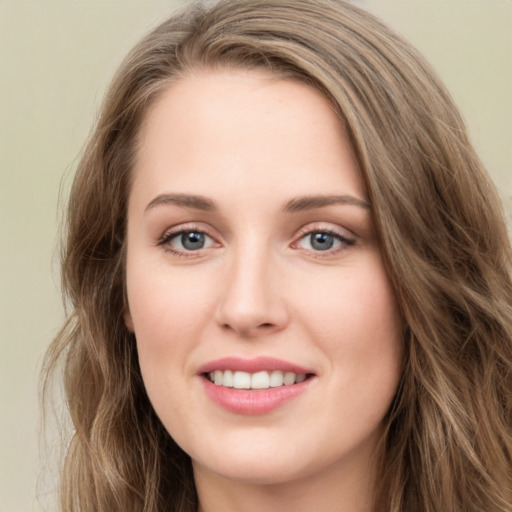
(252, 261)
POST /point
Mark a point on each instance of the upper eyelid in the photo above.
(185, 228)
(319, 227)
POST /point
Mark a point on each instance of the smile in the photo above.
(254, 386)
(258, 380)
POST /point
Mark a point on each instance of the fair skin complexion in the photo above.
(250, 235)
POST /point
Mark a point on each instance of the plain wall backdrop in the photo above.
(56, 58)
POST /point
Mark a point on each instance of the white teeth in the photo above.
(258, 380)
(289, 378)
(228, 379)
(221, 378)
(276, 379)
(241, 380)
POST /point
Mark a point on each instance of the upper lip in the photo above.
(258, 364)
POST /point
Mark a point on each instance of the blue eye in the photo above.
(320, 241)
(189, 241)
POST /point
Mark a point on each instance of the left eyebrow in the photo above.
(302, 203)
(185, 200)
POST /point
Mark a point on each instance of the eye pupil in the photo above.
(192, 240)
(321, 241)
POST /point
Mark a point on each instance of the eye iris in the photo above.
(321, 241)
(192, 240)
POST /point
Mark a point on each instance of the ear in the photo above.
(128, 321)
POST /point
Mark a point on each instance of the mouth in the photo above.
(237, 379)
(254, 386)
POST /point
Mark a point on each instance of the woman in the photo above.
(289, 277)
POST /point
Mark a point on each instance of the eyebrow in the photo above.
(299, 204)
(186, 200)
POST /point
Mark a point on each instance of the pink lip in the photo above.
(249, 401)
(258, 364)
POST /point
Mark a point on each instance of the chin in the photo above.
(255, 473)
(252, 461)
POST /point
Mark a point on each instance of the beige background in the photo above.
(56, 58)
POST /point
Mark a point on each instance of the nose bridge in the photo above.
(251, 304)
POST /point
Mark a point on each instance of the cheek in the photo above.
(165, 304)
(171, 309)
(356, 324)
(168, 318)
(354, 311)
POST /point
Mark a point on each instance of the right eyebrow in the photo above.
(186, 200)
(312, 202)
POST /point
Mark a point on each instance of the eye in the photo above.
(322, 241)
(187, 241)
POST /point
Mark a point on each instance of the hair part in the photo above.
(448, 443)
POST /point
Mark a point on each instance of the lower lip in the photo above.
(251, 401)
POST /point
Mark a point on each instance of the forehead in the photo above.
(237, 131)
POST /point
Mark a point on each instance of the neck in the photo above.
(341, 488)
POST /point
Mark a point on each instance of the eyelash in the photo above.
(168, 236)
(308, 231)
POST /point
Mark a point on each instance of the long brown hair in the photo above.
(448, 443)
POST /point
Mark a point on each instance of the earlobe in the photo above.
(128, 320)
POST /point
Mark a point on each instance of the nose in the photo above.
(252, 302)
